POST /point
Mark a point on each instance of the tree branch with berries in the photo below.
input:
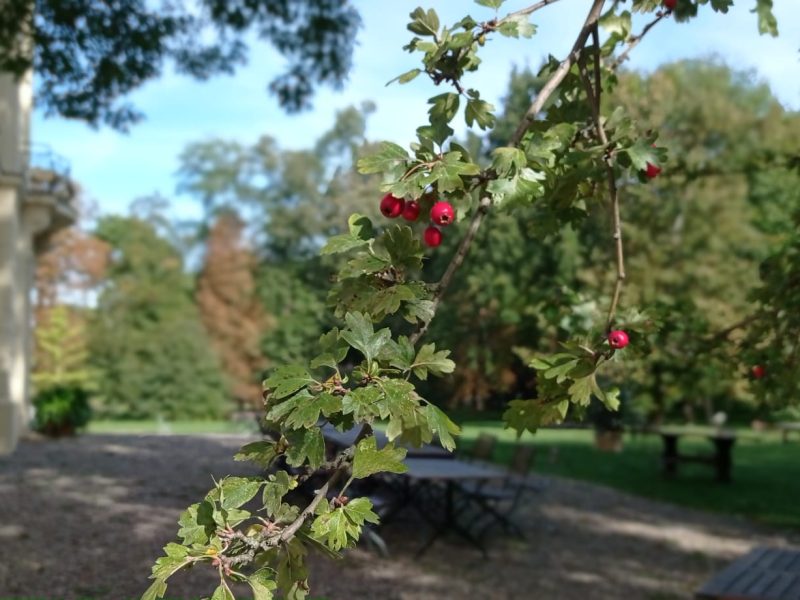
(252, 530)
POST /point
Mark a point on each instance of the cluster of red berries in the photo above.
(442, 214)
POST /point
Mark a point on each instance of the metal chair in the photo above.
(483, 448)
(498, 503)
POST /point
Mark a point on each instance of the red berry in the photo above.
(652, 170)
(432, 237)
(442, 213)
(392, 206)
(618, 339)
(670, 4)
(411, 211)
(758, 371)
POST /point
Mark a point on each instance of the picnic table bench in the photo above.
(787, 428)
(762, 574)
(721, 459)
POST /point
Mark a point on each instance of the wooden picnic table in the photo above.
(721, 459)
(345, 439)
(422, 472)
(762, 574)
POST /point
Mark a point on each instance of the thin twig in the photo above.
(529, 10)
(558, 75)
(634, 41)
(594, 97)
(455, 263)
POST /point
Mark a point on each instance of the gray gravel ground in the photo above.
(83, 519)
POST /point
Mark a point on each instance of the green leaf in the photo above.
(400, 354)
(424, 23)
(197, 524)
(262, 583)
(360, 233)
(767, 23)
(292, 571)
(480, 112)
(305, 444)
(262, 453)
(362, 403)
(306, 413)
(368, 460)
(617, 24)
(529, 415)
(430, 361)
(641, 153)
(418, 311)
(277, 486)
(404, 248)
(581, 391)
(442, 426)
(444, 108)
(447, 172)
(287, 380)
(166, 566)
(332, 349)
(406, 77)
(508, 160)
(361, 335)
(237, 491)
(222, 593)
(156, 590)
(340, 527)
(390, 157)
(490, 3)
(517, 26)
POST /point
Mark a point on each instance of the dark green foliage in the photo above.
(89, 54)
(61, 409)
(153, 357)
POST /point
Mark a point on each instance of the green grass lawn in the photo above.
(766, 473)
(174, 427)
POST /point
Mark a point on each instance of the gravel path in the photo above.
(84, 518)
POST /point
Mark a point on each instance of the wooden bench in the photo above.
(721, 459)
(762, 574)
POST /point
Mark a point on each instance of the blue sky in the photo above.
(116, 168)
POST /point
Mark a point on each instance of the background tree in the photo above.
(153, 356)
(88, 54)
(68, 273)
(230, 309)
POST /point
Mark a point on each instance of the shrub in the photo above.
(61, 409)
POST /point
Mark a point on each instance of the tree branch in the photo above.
(529, 10)
(549, 88)
(593, 96)
(634, 41)
(558, 75)
(455, 263)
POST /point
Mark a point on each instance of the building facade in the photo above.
(35, 201)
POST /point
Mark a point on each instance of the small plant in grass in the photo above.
(567, 156)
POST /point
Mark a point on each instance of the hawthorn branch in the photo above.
(558, 75)
(321, 493)
(593, 95)
(633, 41)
